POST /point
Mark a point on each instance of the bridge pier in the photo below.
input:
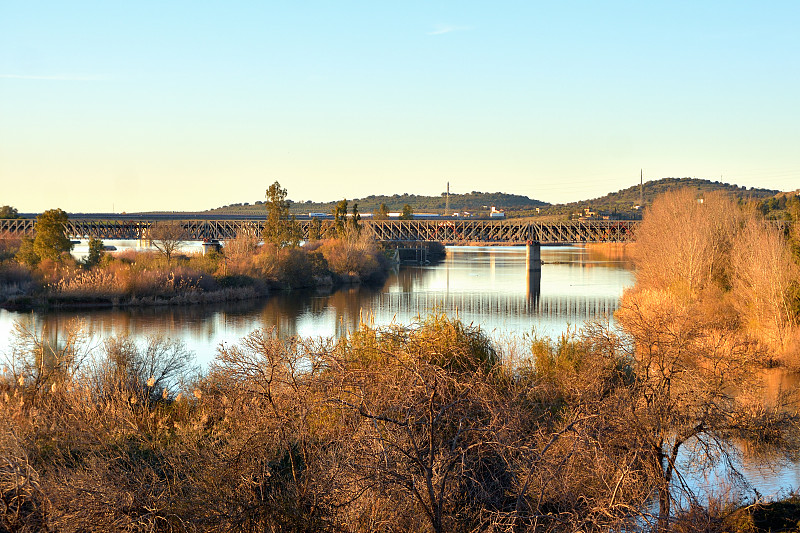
(211, 245)
(533, 268)
(533, 256)
(533, 287)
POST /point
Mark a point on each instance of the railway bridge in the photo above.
(446, 231)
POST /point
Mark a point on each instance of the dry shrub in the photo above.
(131, 275)
(287, 268)
(399, 428)
(94, 450)
(356, 257)
(737, 267)
(764, 278)
(15, 280)
(23, 505)
(681, 244)
(239, 250)
(9, 246)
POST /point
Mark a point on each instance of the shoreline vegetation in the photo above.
(41, 273)
(433, 426)
(244, 269)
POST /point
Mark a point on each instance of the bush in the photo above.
(9, 246)
(357, 259)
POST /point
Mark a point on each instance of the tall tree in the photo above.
(339, 217)
(51, 235)
(315, 229)
(382, 213)
(408, 213)
(280, 228)
(7, 211)
(355, 221)
(95, 253)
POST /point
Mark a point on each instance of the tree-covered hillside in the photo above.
(473, 202)
(620, 203)
(623, 202)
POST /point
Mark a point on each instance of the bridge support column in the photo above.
(211, 245)
(533, 267)
(533, 256)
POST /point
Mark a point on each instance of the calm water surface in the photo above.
(486, 286)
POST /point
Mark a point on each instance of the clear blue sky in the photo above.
(191, 105)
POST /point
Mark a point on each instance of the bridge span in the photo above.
(447, 231)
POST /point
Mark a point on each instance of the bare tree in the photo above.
(167, 237)
(693, 387)
(241, 249)
(682, 242)
(763, 278)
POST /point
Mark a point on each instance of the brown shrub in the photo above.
(9, 246)
(358, 258)
(682, 244)
(763, 280)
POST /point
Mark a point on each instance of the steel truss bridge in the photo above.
(447, 231)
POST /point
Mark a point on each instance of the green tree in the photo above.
(339, 217)
(7, 211)
(355, 221)
(382, 213)
(408, 213)
(95, 253)
(51, 235)
(280, 228)
(315, 229)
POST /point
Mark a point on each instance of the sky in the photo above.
(189, 105)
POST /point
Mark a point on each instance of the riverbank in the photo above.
(243, 270)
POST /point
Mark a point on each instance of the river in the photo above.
(486, 286)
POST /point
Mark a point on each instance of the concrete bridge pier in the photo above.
(533, 267)
(533, 256)
(211, 245)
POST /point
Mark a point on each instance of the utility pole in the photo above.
(641, 189)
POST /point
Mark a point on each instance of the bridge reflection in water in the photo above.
(502, 306)
(487, 286)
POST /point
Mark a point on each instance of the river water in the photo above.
(486, 286)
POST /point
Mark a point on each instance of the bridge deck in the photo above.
(512, 231)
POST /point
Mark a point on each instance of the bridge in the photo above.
(446, 231)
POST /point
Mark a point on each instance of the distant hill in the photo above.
(473, 202)
(621, 202)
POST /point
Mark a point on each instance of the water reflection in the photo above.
(489, 286)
